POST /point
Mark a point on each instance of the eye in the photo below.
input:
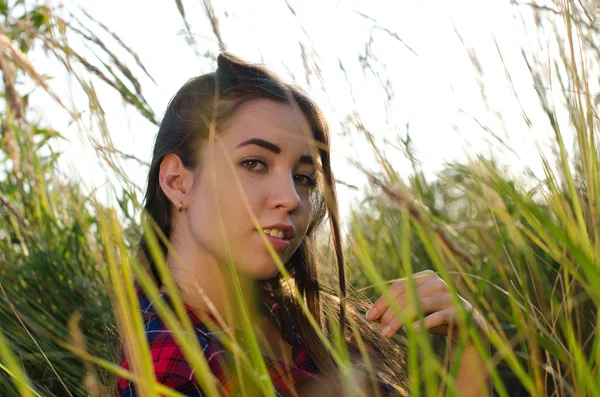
(254, 165)
(307, 180)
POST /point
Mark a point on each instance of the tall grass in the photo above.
(527, 258)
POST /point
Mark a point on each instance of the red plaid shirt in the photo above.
(171, 368)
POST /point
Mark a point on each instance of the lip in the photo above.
(288, 230)
(278, 243)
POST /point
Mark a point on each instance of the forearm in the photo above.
(473, 377)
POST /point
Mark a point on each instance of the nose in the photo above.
(284, 194)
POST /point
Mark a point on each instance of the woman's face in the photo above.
(263, 158)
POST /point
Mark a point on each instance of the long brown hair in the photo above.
(182, 130)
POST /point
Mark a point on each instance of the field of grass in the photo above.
(524, 251)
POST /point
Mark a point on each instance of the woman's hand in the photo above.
(435, 300)
(441, 316)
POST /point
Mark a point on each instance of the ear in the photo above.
(175, 180)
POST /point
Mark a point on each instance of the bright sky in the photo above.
(434, 84)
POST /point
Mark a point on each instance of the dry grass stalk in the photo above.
(190, 36)
(214, 22)
(13, 100)
(34, 341)
(93, 386)
(18, 217)
(118, 40)
(23, 62)
(401, 198)
(98, 73)
(124, 69)
(395, 35)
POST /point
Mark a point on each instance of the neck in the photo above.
(207, 285)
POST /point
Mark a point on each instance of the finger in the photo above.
(438, 322)
(424, 287)
(428, 285)
(395, 290)
(410, 310)
(391, 322)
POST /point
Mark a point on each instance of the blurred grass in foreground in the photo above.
(526, 257)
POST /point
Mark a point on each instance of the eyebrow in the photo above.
(272, 148)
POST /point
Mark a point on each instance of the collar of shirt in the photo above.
(205, 323)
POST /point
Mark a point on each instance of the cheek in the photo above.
(223, 207)
(236, 189)
(201, 216)
(225, 190)
(302, 221)
(308, 209)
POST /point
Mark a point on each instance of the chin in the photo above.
(264, 271)
(268, 273)
(263, 267)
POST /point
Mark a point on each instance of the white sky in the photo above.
(436, 91)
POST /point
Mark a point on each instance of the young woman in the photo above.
(241, 161)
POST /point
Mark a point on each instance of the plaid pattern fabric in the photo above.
(172, 370)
